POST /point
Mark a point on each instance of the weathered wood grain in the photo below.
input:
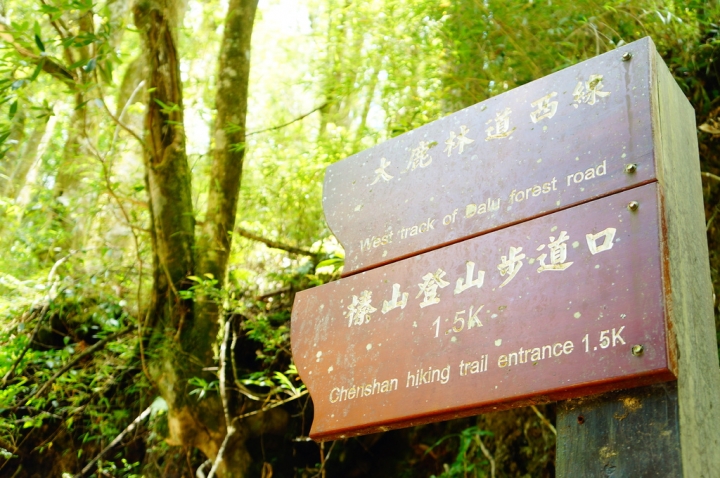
(689, 290)
(629, 433)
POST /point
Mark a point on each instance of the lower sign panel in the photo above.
(561, 306)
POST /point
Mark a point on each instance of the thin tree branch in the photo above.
(78, 357)
(487, 454)
(272, 405)
(122, 112)
(17, 472)
(710, 175)
(200, 473)
(229, 424)
(238, 384)
(10, 373)
(289, 122)
(274, 244)
(136, 240)
(120, 123)
(324, 459)
(63, 35)
(61, 22)
(544, 419)
(116, 119)
(49, 65)
(52, 293)
(117, 440)
(274, 293)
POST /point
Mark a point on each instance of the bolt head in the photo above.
(633, 206)
(626, 56)
(637, 350)
(630, 168)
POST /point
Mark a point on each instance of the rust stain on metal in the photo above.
(547, 309)
(554, 143)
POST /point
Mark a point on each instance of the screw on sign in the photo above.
(553, 249)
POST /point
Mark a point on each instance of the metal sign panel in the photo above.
(563, 305)
(550, 144)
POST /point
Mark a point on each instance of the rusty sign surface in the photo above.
(550, 308)
(553, 143)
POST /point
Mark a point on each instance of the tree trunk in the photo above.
(75, 159)
(26, 175)
(183, 332)
(215, 239)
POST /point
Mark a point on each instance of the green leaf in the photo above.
(286, 383)
(237, 147)
(48, 9)
(81, 105)
(84, 5)
(21, 27)
(233, 128)
(77, 64)
(167, 108)
(4, 135)
(159, 405)
(13, 110)
(106, 70)
(67, 42)
(91, 64)
(39, 43)
(38, 69)
(330, 262)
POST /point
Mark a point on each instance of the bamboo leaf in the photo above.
(91, 64)
(39, 43)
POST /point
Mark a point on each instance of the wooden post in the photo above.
(668, 430)
(629, 433)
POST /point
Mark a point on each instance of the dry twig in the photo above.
(544, 419)
(48, 65)
(324, 459)
(487, 454)
(273, 244)
(289, 122)
(78, 357)
(115, 441)
(229, 424)
(10, 373)
(711, 175)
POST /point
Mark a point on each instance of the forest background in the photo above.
(160, 185)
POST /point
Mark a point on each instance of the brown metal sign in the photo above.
(553, 143)
(563, 305)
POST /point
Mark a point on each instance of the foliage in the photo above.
(329, 78)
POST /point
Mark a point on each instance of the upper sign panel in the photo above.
(553, 143)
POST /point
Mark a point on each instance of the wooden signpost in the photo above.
(546, 244)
